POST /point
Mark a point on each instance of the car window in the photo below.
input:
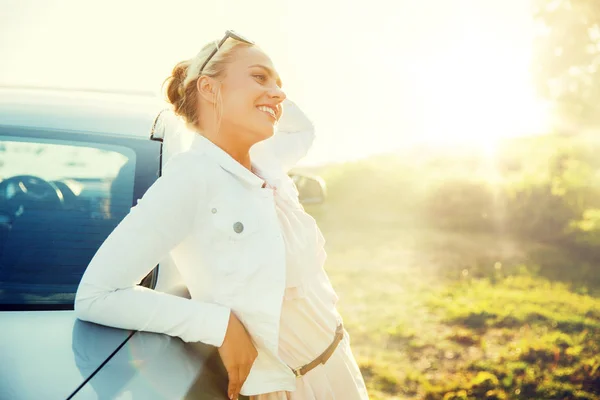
(58, 203)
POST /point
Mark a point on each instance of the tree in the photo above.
(566, 62)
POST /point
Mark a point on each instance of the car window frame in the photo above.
(147, 170)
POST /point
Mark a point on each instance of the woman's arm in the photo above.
(108, 293)
(294, 137)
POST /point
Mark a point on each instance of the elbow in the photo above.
(84, 298)
(311, 135)
(81, 305)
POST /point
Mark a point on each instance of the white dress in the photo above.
(309, 316)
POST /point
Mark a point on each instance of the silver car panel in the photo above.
(149, 366)
(37, 354)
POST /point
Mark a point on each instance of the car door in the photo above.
(61, 194)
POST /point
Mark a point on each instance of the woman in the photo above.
(228, 216)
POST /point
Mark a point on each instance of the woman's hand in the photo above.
(238, 354)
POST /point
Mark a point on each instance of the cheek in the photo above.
(239, 105)
(240, 85)
(240, 100)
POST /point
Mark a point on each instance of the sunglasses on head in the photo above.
(228, 34)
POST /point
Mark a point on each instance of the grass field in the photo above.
(437, 314)
(422, 327)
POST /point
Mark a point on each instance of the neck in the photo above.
(237, 149)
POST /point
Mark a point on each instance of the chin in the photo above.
(265, 133)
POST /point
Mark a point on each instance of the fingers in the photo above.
(233, 390)
(237, 377)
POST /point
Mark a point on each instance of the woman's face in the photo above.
(251, 96)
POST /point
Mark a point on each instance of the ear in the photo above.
(207, 88)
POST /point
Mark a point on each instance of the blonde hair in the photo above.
(181, 89)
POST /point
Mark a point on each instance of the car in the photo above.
(72, 164)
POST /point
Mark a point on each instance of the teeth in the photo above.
(267, 109)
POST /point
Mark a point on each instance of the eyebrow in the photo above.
(269, 71)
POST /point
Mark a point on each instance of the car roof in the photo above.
(129, 114)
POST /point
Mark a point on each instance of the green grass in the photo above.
(463, 313)
(516, 301)
(418, 333)
(443, 315)
(528, 328)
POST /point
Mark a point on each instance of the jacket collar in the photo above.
(226, 162)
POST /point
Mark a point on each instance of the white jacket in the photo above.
(212, 217)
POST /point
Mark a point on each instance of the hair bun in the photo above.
(175, 90)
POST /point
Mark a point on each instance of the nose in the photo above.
(277, 93)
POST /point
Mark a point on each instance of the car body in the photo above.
(72, 163)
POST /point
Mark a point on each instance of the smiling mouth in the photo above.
(269, 111)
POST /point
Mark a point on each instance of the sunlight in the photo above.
(440, 72)
(475, 88)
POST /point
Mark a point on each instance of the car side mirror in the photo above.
(311, 189)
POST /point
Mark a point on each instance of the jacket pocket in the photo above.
(234, 230)
(232, 220)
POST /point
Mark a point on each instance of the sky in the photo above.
(374, 76)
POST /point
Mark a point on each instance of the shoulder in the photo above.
(190, 163)
(196, 171)
(185, 172)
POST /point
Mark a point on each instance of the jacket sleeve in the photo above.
(294, 137)
(108, 293)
